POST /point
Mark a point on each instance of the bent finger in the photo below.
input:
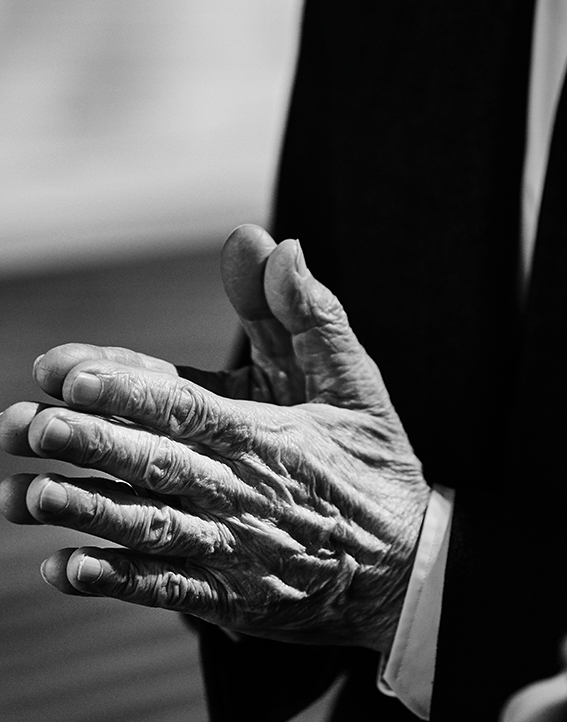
(336, 367)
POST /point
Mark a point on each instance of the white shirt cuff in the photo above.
(409, 671)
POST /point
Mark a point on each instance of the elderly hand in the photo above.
(283, 501)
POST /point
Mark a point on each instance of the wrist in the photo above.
(385, 584)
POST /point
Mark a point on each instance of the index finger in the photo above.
(169, 405)
(51, 368)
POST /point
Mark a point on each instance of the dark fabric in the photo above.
(401, 177)
(401, 174)
(259, 680)
(521, 602)
(264, 681)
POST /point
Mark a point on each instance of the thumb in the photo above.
(243, 263)
(273, 375)
(336, 367)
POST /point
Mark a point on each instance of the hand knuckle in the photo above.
(92, 511)
(192, 410)
(95, 448)
(137, 582)
(182, 414)
(138, 401)
(172, 589)
(162, 468)
(126, 582)
(160, 531)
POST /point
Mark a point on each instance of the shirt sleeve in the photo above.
(409, 670)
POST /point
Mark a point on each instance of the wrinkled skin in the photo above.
(283, 500)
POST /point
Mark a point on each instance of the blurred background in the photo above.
(139, 125)
(134, 135)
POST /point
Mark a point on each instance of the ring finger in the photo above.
(144, 524)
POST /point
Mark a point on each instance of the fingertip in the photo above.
(243, 260)
(50, 369)
(289, 286)
(46, 497)
(300, 264)
(250, 235)
(13, 501)
(85, 569)
(54, 569)
(14, 425)
(36, 364)
(54, 572)
(287, 258)
(247, 245)
(49, 433)
(297, 299)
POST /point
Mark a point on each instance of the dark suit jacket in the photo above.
(401, 175)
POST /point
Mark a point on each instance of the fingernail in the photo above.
(53, 498)
(86, 389)
(36, 364)
(90, 570)
(56, 435)
(300, 264)
(42, 571)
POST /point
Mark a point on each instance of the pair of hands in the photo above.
(282, 500)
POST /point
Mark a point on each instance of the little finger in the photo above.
(151, 581)
(54, 572)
